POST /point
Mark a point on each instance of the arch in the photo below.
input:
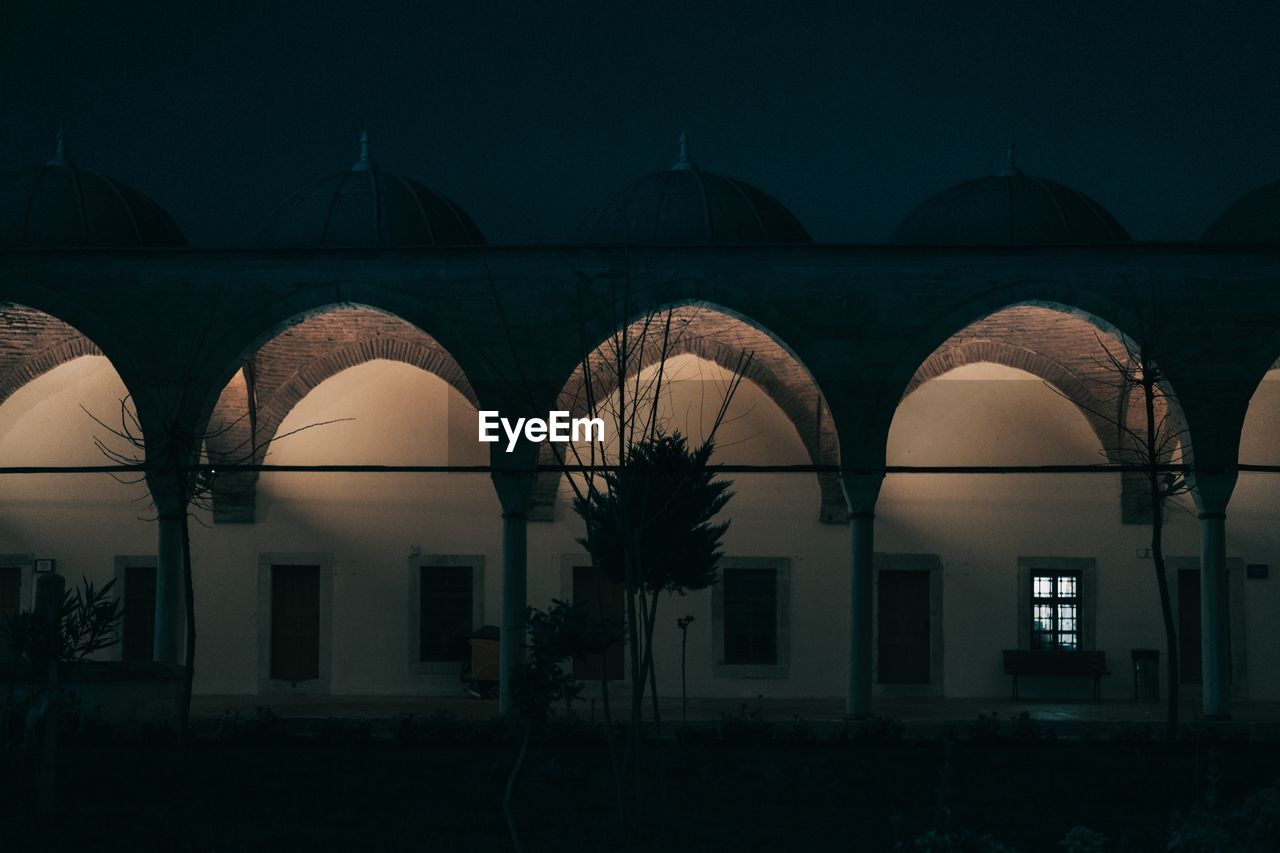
(34, 341)
(1026, 338)
(285, 368)
(1099, 311)
(1232, 409)
(242, 334)
(1069, 350)
(720, 336)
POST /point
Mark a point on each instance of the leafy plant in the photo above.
(538, 682)
(89, 622)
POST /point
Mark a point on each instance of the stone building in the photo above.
(371, 320)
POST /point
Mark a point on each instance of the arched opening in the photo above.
(386, 572)
(285, 368)
(54, 383)
(718, 337)
(1252, 522)
(1030, 385)
(766, 627)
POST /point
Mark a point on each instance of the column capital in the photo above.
(515, 490)
(1212, 491)
(861, 491)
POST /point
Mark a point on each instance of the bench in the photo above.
(1056, 663)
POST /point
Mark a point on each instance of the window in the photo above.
(750, 609)
(295, 622)
(1055, 610)
(138, 630)
(750, 616)
(10, 590)
(446, 604)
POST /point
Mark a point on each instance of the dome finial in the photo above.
(60, 153)
(684, 162)
(1010, 166)
(363, 163)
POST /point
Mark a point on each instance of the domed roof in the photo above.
(1252, 218)
(367, 207)
(1009, 209)
(60, 205)
(688, 206)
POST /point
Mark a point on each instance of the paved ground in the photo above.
(927, 710)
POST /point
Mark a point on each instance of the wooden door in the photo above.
(295, 623)
(139, 628)
(903, 636)
(603, 599)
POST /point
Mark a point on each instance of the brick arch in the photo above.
(272, 381)
(1068, 373)
(33, 342)
(1063, 349)
(1099, 312)
(721, 337)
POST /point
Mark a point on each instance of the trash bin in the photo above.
(1146, 675)
(481, 670)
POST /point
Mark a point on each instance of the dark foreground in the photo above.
(754, 789)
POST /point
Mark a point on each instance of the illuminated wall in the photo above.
(977, 525)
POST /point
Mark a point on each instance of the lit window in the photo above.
(1055, 610)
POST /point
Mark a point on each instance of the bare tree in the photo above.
(628, 510)
(1151, 439)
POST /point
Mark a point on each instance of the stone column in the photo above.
(515, 490)
(1211, 495)
(861, 492)
(171, 611)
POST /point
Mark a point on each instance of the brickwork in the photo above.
(861, 319)
(1066, 351)
(32, 343)
(287, 367)
(730, 343)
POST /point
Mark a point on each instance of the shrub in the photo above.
(1082, 839)
(1251, 825)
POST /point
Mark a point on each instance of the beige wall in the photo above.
(977, 525)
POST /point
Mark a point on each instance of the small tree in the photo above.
(1150, 441)
(624, 381)
(1154, 444)
(87, 620)
(651, 528)
(555, 636)
(642, 494)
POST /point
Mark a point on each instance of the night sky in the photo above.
(528, 113)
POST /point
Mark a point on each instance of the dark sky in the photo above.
(529, 113)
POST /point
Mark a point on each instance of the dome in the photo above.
(1009, 209)
(1253, 218)
(60, 205)
(689, 206)
(367, 207)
